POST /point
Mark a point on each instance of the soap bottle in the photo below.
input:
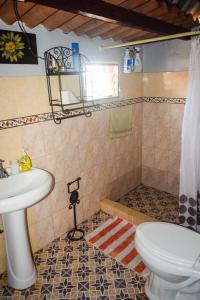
(25, 163)
(138, 61)
(75, 57)
(132, 54)
(127, 61)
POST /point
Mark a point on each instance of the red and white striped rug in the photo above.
(115, 238)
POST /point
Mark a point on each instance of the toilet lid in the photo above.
(170, 242)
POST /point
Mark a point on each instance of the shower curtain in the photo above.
(189, 200)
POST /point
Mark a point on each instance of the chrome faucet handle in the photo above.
(1, 163)
(3, 171)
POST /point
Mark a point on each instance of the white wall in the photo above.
(46, 40)
(166, 56)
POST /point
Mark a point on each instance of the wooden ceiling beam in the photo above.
(127, 34)
(93, 24)
(139, 37)
(110, 33)
(57, 20)
(147, 7)
(162, 10)
(135, 35)
(72, 24)
(102, 10)
(89, 26)
(130, 4)
(37, 15)
(101, 29)
(7, 11)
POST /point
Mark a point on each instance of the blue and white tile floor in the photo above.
(76, 270)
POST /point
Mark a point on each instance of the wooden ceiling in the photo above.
(120, 20)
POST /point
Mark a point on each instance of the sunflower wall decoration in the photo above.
(14, 48)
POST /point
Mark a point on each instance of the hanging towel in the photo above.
(120, 121)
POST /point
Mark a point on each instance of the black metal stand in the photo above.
(75, 234)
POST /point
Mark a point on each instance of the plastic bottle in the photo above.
(25, 163)
(14, 167)
(75, 57)
(138, 61)
(127, 61)
(50, 66)
(132, 52)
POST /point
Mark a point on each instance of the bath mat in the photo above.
(115, 238)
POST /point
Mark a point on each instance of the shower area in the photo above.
(158, 127)
(169, 143)
(161, 123)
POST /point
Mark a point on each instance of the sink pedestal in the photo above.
(20, 265)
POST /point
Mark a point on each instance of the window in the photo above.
(101, 81)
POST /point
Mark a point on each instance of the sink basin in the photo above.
(23, 190)
(17, 192)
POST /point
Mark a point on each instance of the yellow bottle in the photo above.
(25, 163)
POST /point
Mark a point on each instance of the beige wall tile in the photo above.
(161, 159)
(62, 221)
(33, 140)
(59, 196)
(148, 157)
(41, 233)
(176, 115)
(162, 137)
(31, 95)
(149, 136)
(161, 180)
(163, 114)
(137, 114)
(8, 98)
(175, 139)
(39, 211)
(173, 183)
(174, 162)
(130, 85)
(148, 176)
(11, 144)
(165, 84)
(149, 114)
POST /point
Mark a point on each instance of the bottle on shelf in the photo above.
(75, 57)
(138, 61)
(127, 61)
(50, 64)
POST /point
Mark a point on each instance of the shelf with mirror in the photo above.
(65, 74)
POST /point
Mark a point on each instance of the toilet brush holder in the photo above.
(75, 234)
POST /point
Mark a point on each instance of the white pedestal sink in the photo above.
(17, 192)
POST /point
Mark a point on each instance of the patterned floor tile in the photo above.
(77, 270)
(158, 204)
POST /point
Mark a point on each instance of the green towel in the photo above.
(120, 121)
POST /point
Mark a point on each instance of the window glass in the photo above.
(101, 81)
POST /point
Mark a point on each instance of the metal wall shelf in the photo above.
(59, 63)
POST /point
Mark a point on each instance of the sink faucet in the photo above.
(3, 172)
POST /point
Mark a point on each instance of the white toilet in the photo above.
(172, 253)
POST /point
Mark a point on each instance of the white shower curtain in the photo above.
(189, 201)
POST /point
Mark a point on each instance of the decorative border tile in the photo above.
(164, 100)
(22, 121)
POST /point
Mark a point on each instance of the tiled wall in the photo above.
(78, 147)
(162, 124)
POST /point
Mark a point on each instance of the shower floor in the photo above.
(150, 201)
